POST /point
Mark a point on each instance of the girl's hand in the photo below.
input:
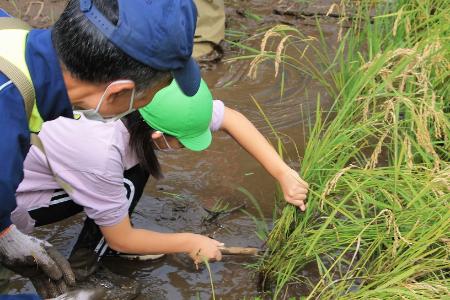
(202, 247)
(295, 189)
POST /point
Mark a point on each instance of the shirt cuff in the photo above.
(217, 116)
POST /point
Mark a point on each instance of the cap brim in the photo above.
(188, 78)
(198, 143)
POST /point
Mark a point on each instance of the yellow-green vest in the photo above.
(13, 34)
(12, 49)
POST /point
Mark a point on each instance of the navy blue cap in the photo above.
(158, 33)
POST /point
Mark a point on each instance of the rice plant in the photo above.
(378, 221)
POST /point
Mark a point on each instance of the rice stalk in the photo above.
(378, 221)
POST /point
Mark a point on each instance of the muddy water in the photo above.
(196, 180)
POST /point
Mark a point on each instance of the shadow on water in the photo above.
(193, 180)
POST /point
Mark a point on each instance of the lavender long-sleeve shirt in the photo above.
(89, 155)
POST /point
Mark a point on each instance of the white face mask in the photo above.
(93, 114)
(168, 147)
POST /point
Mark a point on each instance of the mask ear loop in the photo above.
(154, 142)
(157, 147)
(167, 143)
(132, 100)
(99, 104)
(104, 93)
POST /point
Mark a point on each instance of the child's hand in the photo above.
(294, 188)
(202, 247)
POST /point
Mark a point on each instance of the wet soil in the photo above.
(196, 180)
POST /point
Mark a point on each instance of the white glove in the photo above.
(49, 271)
(85, 294)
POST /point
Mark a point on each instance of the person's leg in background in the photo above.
(5, 275)
(210, 30)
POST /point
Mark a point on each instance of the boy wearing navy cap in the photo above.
(107, 57)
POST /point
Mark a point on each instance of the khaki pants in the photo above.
(5, 275)
(210, 26)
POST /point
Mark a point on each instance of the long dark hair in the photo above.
(141, 143)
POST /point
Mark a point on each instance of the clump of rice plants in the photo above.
(378, 221)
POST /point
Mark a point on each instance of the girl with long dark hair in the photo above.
(95, 160)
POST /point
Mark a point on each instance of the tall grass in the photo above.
(378, 221)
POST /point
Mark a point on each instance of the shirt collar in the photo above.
(45, 70)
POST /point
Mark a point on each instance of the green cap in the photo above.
(186, 118)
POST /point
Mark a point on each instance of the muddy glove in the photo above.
(36, 259)
(84, 294)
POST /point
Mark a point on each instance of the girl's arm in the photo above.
(245, 133)
(124, 238)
